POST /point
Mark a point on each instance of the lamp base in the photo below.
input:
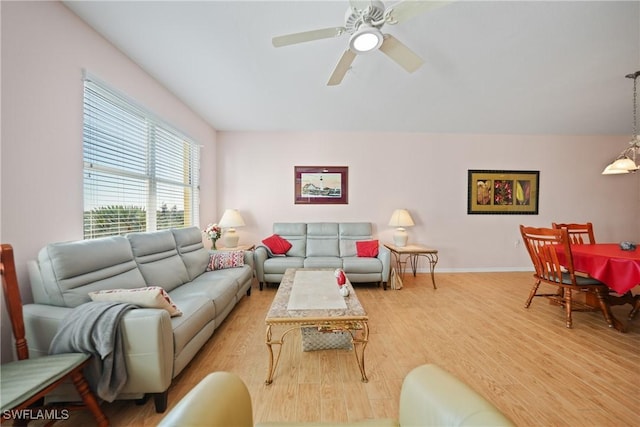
(400, 237)
(231, 238)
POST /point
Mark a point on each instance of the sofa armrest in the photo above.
(260, 255)
(220, 400)
(431, 396)
(384, 255)
(41, 323)
(148, 344)
(248, 259)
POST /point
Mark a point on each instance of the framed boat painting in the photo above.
(321, 185)
(503, 192)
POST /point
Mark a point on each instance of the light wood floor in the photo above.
(474, 325)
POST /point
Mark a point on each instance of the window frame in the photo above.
(131, 153)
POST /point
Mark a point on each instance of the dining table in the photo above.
(617, 268)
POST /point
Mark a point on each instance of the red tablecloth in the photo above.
(619, 269)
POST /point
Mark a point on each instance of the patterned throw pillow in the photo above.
(225, 259)
(149, 297)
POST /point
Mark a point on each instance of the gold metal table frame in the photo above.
(353, 320)
(413, 253)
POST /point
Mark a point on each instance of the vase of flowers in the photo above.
(213, 232)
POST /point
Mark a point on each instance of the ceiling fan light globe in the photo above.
(365, 39)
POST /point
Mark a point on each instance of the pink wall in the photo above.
(427, 174)
(45, 47)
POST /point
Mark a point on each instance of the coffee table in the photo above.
(294, 307)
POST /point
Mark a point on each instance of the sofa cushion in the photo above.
(296, 234)
(225, 259)
(197, 313)
(322, 239)
(216, 286)
(70, 270)
(362, 265)
(323, 262)
(367, 248)
(191, 250)
(280, 264)
(350, 233)
(277, 245)
(147, 297)
(240, 274)
(158, 259)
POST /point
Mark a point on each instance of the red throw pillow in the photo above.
(367, 248)
(277, 245)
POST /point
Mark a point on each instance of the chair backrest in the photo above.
(541, 243)
(430, 396)
(579, 234)
(12, 298)
(220, 399)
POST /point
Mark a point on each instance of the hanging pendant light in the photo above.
(626, 161)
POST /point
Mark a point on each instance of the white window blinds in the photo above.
(140, 174)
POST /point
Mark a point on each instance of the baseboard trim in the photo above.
(476, 270)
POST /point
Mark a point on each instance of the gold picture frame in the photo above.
(503, 192)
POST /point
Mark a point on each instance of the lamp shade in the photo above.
(611, 170)
(624, 163)
(401, 218)
(231, 219)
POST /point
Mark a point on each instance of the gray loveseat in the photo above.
(157, 347)
(323, 245)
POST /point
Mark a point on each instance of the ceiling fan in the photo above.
(364, 20)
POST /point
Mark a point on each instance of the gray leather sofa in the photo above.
(157, 346)
(430, 396)
(323, 245)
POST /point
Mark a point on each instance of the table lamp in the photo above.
(231, 219)
(400, 219)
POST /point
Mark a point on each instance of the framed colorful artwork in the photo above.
(503, 192)
(321, 185)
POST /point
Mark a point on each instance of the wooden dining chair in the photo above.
(543, 245)
(579, 234)
(25, 382)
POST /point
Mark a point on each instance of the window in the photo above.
(140, 174)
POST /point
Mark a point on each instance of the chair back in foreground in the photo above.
(579, 234)
(221, 399)
(544, 246)
(430, 396)
(25, 382)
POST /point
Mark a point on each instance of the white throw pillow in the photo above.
(149, 297)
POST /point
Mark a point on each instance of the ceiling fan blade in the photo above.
(407, 9)
(341, 69)
(400, 53)
(307, 36)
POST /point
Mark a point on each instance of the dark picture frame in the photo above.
(321, 185)
(503, 192)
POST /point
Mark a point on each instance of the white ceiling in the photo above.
(490, 67)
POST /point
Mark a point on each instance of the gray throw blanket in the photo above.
(94, 327)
